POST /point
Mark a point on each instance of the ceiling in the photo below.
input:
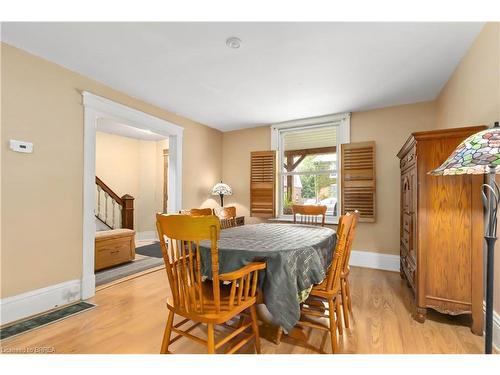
(109, 126)
(281, 72)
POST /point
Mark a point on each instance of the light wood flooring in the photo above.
(131, 316)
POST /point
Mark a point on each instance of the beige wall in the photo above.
(146, 195)
(42, 192)
(117, 162)
(388, 127)
(472, 97)
(236, 148)
(160, 146)
(133, 166)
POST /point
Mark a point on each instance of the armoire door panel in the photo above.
(447, 239)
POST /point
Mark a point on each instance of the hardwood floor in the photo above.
(131, 316)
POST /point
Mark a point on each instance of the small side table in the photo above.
(240, 220)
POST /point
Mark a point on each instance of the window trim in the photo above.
(342, 121)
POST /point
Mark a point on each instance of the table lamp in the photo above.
(480, 154)
(221, 189)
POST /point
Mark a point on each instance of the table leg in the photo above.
(279, 333)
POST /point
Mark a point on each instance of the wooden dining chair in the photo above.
(345, 291)
(309, 214)
(227, 216)
(204, 302)
(329, 290)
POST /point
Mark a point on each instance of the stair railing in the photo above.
(111, 209)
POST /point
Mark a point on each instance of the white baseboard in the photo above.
(147, 235)
(378, 261)
(39, 300)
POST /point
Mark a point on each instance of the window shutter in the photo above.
(263, 183)
(358, 181)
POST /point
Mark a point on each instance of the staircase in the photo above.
(115, 237)
(112, 211)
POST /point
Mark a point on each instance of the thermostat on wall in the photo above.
(21, 146)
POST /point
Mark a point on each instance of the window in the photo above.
(308, 156)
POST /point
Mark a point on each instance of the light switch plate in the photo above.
(21, 146)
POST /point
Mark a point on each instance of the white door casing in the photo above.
(96, 107)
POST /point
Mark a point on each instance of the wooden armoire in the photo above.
(441, 228)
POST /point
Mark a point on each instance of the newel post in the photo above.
(128, 212)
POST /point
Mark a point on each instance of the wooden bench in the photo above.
(113, 247)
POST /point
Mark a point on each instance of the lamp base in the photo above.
(491, 200)
(488, 340)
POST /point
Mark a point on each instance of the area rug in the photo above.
(152, 250)
(44, 319)
(141, 263)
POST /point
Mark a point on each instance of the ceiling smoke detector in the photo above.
(233, 42)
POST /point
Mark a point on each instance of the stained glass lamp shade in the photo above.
(480, 154)
(222, 189)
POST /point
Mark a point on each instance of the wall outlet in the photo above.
(21, 146)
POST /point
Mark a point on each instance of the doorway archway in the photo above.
(97, 107)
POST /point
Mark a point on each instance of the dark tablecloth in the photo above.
(297, 257)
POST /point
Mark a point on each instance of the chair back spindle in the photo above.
(309, 214)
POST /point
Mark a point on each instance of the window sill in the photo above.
(329, 220)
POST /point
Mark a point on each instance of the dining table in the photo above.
(296, 256)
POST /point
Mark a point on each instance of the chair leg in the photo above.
(211, 338)
(339, 315)
(338, 310)
(345, 308)
(348, 293)
(168, 331)
(333, 325)
(255, 328)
